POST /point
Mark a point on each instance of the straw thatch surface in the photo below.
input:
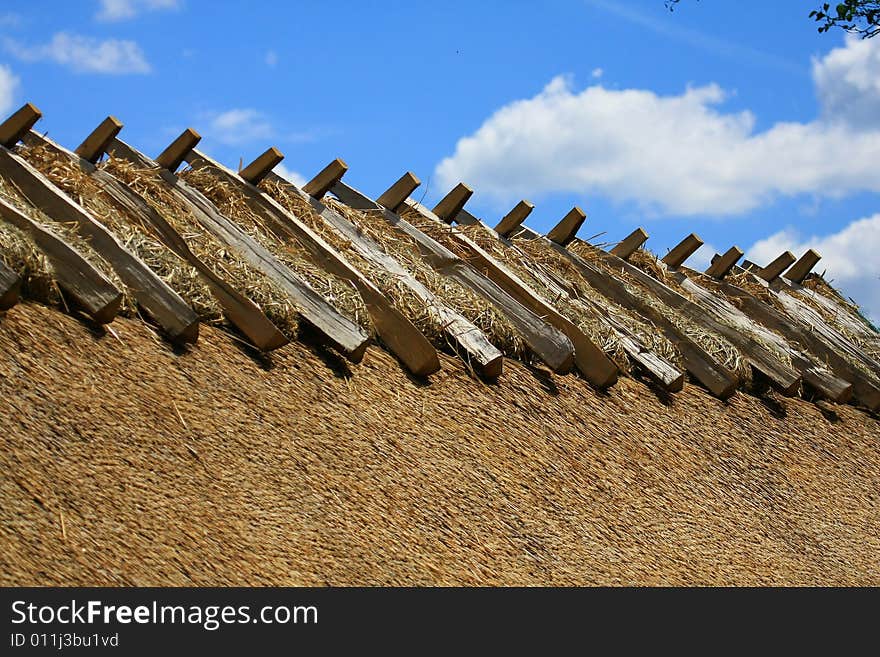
(341, 294)
(139, 238)
(123, 463)
(497, 328)
(236, 271)
(18, 251)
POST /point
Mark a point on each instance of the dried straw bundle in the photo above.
(21, 254)
(135, 235)
(406, 251)
(718, 347)
(534, 268)
(858, 329)
(273, 301)
(232, 203)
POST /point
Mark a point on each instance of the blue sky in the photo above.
(735, 120)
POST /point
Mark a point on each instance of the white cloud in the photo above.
(848, 83)
(120, 10)
(8, 87)
(849, 258)
(597, 73)
(84, 54)
(288, 174)
(678, 154)
(271, 59)
(239, 126)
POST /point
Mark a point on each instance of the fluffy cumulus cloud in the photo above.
(120, 10)
(238, 126)
(678, 154)
(8, 88)
(84, 54)
(849, 256)
(289, 174)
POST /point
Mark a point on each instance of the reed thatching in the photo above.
(497, 328)
(271, 299)
(138, 237)
(21, 254)
(230, 201)
(127, 464)
(718, 347)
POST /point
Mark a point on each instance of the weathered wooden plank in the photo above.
(10, 286)
(260, 168)
(513, 219)
(548, 343)
(393, 197)
(782, 376)
(630, 243)
(451, 204)
(682, 251)
(326, 178)
(12, 129)
(813, 373)
(775, 268)
(722, 266)
(593, 363)
(95, 145)
(563, 232)
(337, 330)
(393, 327)
(803, 266)
(469, 341)
(91, 290)
(705, 369)
(162, 303)
(238, 309)
(172, 157)
(807, 330)
(662, 372)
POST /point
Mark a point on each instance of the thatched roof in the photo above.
(216, 377)
(124, 462)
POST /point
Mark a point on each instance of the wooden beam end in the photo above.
(326, 178)
(17, 125)
(682, 251)
(564, 232)
(95, 145)
(453, 203)
(260, 167)
(173, 156)
(393, 197)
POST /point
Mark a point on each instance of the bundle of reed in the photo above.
(231, 202)
(19, 252)
(715, 345)
(531, 267)
(260, 289)
(405, 251)
(139, 238)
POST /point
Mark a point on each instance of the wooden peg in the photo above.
(563, 232)
(720, 267)
(775, 268)
(514, 219)
(95, 145)
(329, 176)
(630, 243)
(453, 203)
(802, 267)
(260, 168)
(684, 250)
(15, 127)
(393, 197)
(173, 156)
